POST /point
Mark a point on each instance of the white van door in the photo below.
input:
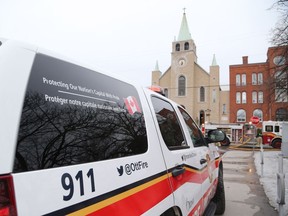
(186, 159)
(208, 158)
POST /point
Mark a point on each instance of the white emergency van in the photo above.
(75, 141)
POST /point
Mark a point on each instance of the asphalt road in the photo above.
(244, 193)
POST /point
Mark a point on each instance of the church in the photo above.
(188, 84)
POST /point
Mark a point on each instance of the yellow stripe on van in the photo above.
(194, 170)
(118, 197)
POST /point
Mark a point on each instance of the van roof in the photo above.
(44, 51)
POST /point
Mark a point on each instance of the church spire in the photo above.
(184, 33)
(156, 66)
(214, 63)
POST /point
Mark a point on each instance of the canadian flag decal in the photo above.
(132, 105)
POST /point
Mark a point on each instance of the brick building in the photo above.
(253, 91)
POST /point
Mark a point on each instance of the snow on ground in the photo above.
(269, 178)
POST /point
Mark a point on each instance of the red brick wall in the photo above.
(267, 68)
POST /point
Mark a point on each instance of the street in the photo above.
(244, 193)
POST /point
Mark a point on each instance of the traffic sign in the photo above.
(255, 120)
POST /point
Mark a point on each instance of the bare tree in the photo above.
(278, 82)
(280, 33)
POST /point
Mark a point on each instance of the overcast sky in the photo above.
(127, 37)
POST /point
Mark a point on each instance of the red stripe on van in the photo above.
(145, 199)
(199, 207)
(138, 203)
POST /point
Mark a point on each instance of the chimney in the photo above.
(245, 59)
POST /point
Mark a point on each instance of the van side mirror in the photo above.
(215, 136)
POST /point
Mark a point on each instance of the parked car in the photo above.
(77, 141)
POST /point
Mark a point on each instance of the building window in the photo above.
(281, 87)
(241, 115)
(202, 94)
(166, 92)
(186, 46)
(281, 114)
(181, 86)
(254, 97)
(258, 113)
(244, 97)
(281, 95)
(177, 47)
(238, 80)
(238, 97)
(254, 78)
(214, 96)
(260, 97)
(260, 78)
(243, 79)
(224, 111)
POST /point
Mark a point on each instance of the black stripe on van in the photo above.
(102, 197)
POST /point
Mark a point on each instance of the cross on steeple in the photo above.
(184, 9)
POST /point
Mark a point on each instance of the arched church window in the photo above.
(181, 86)
(186, 46)
(202, 94)
(177, 47)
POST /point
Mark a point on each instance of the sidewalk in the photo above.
(244, 193)
(269, 179)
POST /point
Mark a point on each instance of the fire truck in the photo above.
(272, 133)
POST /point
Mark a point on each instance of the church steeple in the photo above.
(156, 74)
(156, 66)
(184, 33)
(184, 46)
(214, 63)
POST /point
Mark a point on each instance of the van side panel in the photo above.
(78, 142)
(15, 66)
(86, 145)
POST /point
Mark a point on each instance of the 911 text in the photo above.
(68, 183)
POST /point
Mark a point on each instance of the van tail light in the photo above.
(7, 196)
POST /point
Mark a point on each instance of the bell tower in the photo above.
(184, 46)
(183, 59)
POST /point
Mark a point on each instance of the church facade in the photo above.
(188, 84)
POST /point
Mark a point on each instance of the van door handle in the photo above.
(203, 160)
(178, 171)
